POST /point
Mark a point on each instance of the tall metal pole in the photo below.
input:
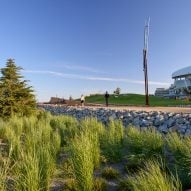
(145, 51)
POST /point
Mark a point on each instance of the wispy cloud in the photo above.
(80, 68)
(95, 78)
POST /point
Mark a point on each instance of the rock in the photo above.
(171, 122)
(159, 121)
(174, 128)
(163, 128)
(162, 121)
(144, 123)
(182, 129)
(136, 122)
(113, 116)
(188, 132)
(180, 120)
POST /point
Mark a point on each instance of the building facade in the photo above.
(182, 81)
(181, 88)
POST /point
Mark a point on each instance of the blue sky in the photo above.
(74, 47)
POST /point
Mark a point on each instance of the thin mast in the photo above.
(145, 52)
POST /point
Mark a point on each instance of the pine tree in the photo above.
(16, 97)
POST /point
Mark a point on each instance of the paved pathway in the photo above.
(139, 108)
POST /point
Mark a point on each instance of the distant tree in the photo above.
(16, 97)
(117, 91)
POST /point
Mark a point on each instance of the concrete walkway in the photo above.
(144, 108)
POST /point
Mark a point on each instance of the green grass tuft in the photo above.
(99, 184)
(110, 173)
(152, 177)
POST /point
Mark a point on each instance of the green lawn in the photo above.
(135, 99)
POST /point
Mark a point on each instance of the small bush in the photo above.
(110, 173)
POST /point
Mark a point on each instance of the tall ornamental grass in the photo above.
(149, 142)
(5, 170)
(67, 127)
(112, 140)
(83, 160)
(27, 173)
(180, 148)
(13, 136)
(143, 145)
(152, 177)
(85, 152)
(32, 146)
(92, 125)
(34, 171)
(94, 130)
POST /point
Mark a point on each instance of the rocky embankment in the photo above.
(163, 121)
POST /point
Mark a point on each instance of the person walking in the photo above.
(106, 98)
(82, 100)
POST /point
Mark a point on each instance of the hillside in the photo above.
(135, 99)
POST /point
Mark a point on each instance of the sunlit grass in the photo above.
(112, 140)
(180, 148)
(151, 177)
(30, 147)
(142, 145)
(82, 162)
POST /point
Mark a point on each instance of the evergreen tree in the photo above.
(16, 97)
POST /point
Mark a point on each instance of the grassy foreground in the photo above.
(136, 100)
(42, 151)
